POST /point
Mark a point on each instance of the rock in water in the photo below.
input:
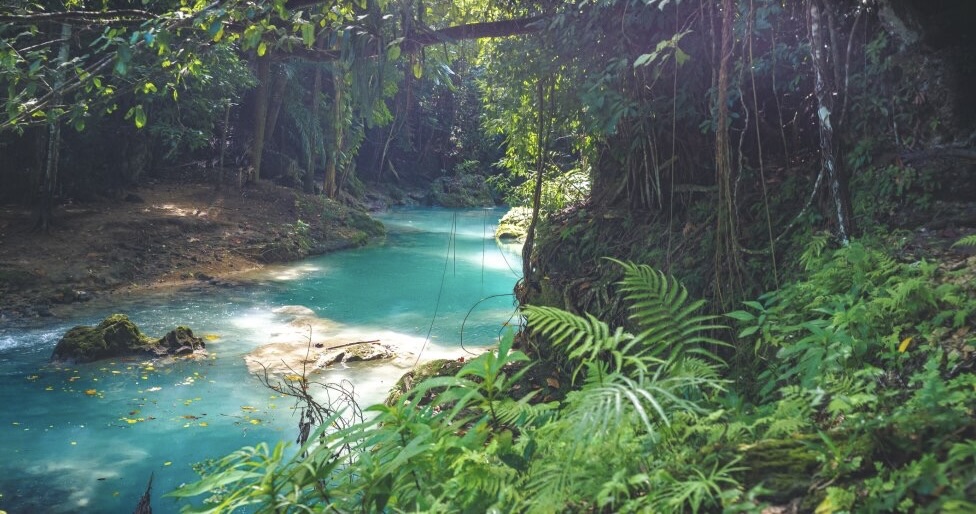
(117, 336)
(179, 341)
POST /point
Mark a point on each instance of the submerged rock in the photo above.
(117, 336)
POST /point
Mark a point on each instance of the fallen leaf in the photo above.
(91, 392)
(904, 345)
(552, 382)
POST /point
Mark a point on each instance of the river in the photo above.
(86, 438)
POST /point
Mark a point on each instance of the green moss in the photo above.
(115, 336)
(364, 222)
(514, 224)
(434, 368)
(785, 467)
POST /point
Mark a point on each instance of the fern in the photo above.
(811, 255)
(660, 307)
(969, 240)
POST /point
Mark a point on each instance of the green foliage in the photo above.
(864, 358)
(969, 240)
(473, 442)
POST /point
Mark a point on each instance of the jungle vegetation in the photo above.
(747, 282)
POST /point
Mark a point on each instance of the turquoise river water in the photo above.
(85, 438)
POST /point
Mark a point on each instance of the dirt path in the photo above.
(162, 234)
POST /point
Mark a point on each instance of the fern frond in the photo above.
(969, 240)
(585, 338)
(522, 413)
(660, 307)
(812, 253)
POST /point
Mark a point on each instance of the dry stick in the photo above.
(374, 341)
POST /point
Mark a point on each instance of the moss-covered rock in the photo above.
(434, 368)
(514, 224)
(784, 467)
(117, 336)
(179, 341)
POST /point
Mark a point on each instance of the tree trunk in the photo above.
(528, 271)
(44, 202)
(727, 263)
(276, 99)
(338, 84)
(224, 137)
(308, 181)
(260, 113)
(826, 90)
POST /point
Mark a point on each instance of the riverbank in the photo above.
(160, 235)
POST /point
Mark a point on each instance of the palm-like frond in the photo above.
(586, 338)
(969, 240)
(661, 308)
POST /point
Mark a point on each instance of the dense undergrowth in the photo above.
(848, 390)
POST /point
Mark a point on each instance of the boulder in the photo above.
(179, 341)
(117, 336)
(514, 225)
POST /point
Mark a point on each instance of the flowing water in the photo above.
(86, 438)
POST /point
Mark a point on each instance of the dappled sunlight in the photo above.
(180, 211)
(294, 272)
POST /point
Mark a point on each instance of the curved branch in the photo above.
(118, 14)
(491, 29)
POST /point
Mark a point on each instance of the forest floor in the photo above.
(162, 234)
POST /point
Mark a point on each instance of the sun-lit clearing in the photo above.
(180, 210)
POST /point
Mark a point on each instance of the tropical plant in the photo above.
(478, 440)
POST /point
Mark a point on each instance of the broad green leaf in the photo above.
(680, 56)
(741, 315)
(308, 34)
(262, 48)
(642, 60)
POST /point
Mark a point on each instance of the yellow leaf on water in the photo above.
(211, 337)
(203, 423)
(293, 378)
(904, 344)
(168, 463)
(91, 392)
(255, 421)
